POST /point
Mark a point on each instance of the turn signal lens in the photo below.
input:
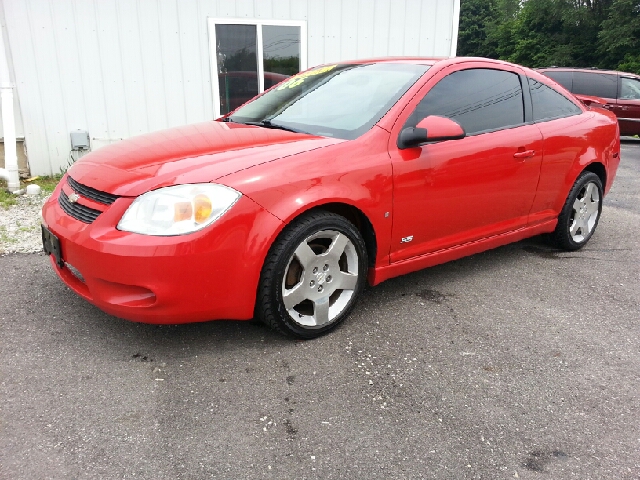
(202, 207)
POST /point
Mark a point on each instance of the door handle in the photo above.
(525, 154)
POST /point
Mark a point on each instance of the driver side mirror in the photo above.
(431, 129)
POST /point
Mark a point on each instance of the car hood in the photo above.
(201, 152)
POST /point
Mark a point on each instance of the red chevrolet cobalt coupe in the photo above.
(342, 175)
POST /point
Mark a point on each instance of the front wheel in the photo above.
(312, 276)
(580, 214)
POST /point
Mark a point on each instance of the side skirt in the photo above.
(380, 274)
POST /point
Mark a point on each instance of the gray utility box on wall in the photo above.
(80, 140)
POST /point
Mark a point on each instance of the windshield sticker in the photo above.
(299, 79)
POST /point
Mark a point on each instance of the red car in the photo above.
(620, 91)
(342, 175)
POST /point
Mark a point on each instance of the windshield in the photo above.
(342, 101)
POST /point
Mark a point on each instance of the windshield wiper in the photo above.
(268, 124)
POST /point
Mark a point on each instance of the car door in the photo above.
(457, 191)
(628, 106)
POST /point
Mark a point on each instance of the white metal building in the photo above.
(118, 68)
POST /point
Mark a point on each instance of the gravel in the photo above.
(20, 225)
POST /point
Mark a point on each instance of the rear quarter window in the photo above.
(549, 104)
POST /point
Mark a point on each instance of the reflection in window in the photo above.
(281, 53)
(479, 99)
(342, 101)
(549, 104)
(603, 85)
(237, 65)
(629, 89)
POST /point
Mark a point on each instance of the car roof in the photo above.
(422, 60)
(416, 60)
(587, 70)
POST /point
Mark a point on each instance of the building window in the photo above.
(250, 56)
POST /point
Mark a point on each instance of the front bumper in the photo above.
(207, 275)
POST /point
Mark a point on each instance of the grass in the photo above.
(47, 184)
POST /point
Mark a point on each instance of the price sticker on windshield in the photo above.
(300, 78)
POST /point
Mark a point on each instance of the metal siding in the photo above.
(151, 65)
(412, 27)
(349, 27)
(315, 33)
(397, 26)
(132, 68)
(381, 40)
(443, 30)
(281, 10)
(111, 67)
(123, 67)
(194, 66)
(263, 9)
(298, 10)
(366, 16)
(332, 28)
(428, 24)
(172, 63)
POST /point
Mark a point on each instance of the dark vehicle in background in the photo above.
(620, 90)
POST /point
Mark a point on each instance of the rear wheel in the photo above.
(581, 212)
(312, 276)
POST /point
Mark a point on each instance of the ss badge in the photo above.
(407, 239)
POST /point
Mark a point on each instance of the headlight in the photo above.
(178, 210)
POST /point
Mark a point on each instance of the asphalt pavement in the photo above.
(520, 362)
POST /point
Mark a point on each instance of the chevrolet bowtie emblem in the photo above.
(74, 197)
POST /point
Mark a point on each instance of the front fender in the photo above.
(357, 173)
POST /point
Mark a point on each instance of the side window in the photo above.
(563, 78)
(479, 99)
(629, 88)
(596, 84)
(549, 104)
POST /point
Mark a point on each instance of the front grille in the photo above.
(77, 211)
(91, 193)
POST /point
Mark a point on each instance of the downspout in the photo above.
(455, 25)
(10, 171)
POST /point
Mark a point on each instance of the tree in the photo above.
(619, 37)
(475, 20)
(570, 33)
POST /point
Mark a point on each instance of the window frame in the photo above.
(530, 99)
(258, 23)
(526, 99)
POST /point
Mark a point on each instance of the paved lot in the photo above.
(520, 362)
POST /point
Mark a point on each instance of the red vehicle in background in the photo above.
(621, 91)
(342, 175)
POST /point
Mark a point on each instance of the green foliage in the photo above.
(47, 184)
(620, 35)
(537, 33)
(631, 64)
(284, 65)
(475, 21)
(6, 199)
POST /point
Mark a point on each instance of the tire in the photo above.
(581, 212)
(313, 275)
